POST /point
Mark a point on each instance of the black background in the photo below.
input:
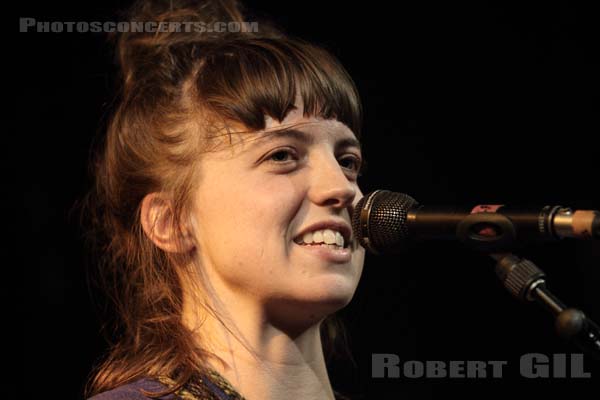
(464, 104)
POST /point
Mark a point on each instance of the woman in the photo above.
(222, 206)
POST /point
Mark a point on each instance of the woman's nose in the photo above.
(330, 185)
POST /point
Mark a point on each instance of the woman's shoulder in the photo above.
(134, 391)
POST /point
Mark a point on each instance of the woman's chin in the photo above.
(311, 306)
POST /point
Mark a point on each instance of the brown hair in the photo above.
(177, 88)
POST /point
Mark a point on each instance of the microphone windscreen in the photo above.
(379, 221)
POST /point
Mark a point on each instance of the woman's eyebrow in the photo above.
(305, 138)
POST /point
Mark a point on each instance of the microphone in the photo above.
(385, 221)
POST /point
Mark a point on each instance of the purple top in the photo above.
(132, 391)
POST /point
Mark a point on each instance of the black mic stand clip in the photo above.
(525, 281)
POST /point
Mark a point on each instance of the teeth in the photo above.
(308, 237)
(339, 239)
(317, 237)
(327, 236)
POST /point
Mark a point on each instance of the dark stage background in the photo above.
(464, 104)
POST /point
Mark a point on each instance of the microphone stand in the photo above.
(525, 281)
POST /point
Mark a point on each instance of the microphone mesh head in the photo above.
(379, 221)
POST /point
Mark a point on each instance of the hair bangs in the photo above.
(244, 81)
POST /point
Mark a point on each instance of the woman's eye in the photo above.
(352, 163)
(286, 155)
(281, 156)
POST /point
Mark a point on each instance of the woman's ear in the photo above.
(157, 221)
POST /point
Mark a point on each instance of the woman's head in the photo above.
(186, 178)
(253, 203)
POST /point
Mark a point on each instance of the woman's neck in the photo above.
(261, 361)
(277, 370)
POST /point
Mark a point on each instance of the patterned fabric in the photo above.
(200, 388)
(214, 388)
(211, 387)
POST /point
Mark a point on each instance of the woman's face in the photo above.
(253, 201)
